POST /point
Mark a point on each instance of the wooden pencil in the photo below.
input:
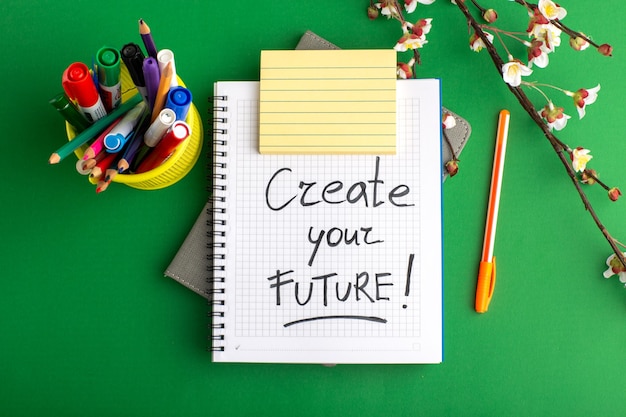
(96, 147)
(91, 162)
(102, 186)
(146, 37)
(94, 129)
(164, 87)
(102, 165)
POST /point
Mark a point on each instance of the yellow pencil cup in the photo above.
(176, 166)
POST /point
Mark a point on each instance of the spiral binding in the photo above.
(218, 220)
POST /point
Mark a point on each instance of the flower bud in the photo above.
(490, 16)
(578, 43)
(579, 97)
(404, 71)
(605, 49)
(534, 49)
(614, 193)
(452, 167)
(588, 176)
(372, 13)
(448, 121)
(615, 266)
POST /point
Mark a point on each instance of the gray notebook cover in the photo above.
(192, 262)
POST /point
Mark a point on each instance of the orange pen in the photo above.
(487, 270)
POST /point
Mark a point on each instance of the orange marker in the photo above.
(487, 270)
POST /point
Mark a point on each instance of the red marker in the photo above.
(79, 86)
(170, 141)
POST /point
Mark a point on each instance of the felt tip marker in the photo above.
(179, 100)
(117, 137)
(133, 57)
(152, 76)
(166, 147)
(164, 57)
(93, 130)
(79, 86)
(108, 69)
(157, 129)
(69, 112)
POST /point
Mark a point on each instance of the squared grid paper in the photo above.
(262, 241)
(268, 241)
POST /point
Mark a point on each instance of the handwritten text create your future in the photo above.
(364, 286)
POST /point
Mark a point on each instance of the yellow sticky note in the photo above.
(327, 102)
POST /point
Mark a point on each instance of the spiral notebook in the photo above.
(188, 266)
(327, 258)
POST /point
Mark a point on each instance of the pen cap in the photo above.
(121, 132)
(172, 138)
(179, 100)
(132, 56)
(164, 57)
(69, 112)
(157, 129)
(108, 69)
(108, 61)
(79, 85)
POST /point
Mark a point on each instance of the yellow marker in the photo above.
(487, 271)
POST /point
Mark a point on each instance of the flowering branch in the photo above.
(575, 37)
(544, 31)
(558, 146)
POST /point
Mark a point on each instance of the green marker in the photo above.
(108, 68)
(69, 112)
(97, 127)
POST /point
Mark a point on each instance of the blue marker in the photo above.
(179, 100)
(117, 137)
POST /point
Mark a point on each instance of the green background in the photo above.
(89, 325)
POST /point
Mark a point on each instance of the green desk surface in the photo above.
(89, 325)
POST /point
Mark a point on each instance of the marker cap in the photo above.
(79, 85)
(177, 133)
(486, 284)
(114, 142)
(179, 100)
(164, 57)
(108, 60)
(132, 55)
(70, 113)
(157, 129)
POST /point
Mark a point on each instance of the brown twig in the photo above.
(557, 145)
(450, 147)
(571, 33)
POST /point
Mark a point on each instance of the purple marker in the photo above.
(152, 76)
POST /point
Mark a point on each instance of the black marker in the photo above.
(133, 57)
